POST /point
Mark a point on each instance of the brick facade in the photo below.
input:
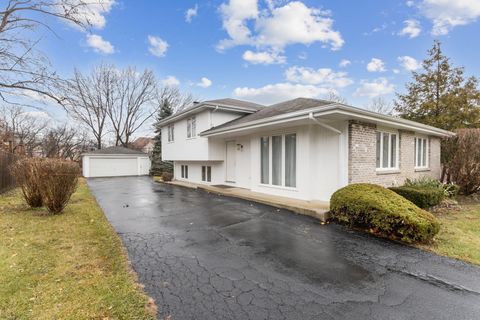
(362, 157)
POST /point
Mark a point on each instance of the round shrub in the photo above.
(24, 172)
(384, 212)
(167, 176)
(57, 181)
(423, 197)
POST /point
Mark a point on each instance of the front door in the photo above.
(230, 161)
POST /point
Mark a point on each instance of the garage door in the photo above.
(108, 167)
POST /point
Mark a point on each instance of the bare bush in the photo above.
(57, 181)
(167, 176)
(24, 172)
(461, 160)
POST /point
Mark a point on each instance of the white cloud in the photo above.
(274, 93)
(396, 71)
(410, 3)
(91, 14)
(321, 76)
(190, 13)
(158, 46)
(98, 44)
(204, 82)
(409, 63)
(170, 81)
(276, 27)
(376, 65)
(264, 57)
(345, 63)
(375, 88)
(447, 14)
(412, 28)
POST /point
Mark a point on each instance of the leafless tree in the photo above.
(335, 97)
(136, 103)
(87, 98)
(22, 66)
(380, 105)
(174, 98)
(65, 142)
(26, 129)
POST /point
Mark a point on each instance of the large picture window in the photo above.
(387, 150)
(191, 127)
(421, 152)
(278, 160)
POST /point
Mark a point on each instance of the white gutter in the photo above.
(326, 126)
(334, 108)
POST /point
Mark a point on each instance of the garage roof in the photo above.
(115, 150)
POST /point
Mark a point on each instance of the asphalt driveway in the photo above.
(203, 256)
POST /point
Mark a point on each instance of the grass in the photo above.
(459, 235)
(68, 266)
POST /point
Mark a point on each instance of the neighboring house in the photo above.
(115, 162)
(302, 148)
(144, 144)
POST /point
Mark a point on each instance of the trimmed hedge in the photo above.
(423, 197)
(383, 212)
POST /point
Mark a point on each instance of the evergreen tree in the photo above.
(440, 95)
(159, 166)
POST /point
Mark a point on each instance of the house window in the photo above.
(387, 150)
(278, 160)
(171, 132)
(191, 127)
(184, 171)
(421, 152)
(206, 173)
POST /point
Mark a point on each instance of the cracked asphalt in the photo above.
(204, 256)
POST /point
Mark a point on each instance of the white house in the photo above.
(302, 148)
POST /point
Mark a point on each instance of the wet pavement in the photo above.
(203, 256)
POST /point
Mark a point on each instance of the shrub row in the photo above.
(48, 182)
(422, 197)
(384, 212)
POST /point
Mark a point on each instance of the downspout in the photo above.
(321, 124)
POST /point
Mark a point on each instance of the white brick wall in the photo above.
(362, 157)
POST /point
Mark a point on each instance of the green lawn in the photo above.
(459, 236)
(69, 266)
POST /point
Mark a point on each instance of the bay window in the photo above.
(387, 150)
(278, 160)
(421, 152)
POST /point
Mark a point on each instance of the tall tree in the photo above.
(171, 100)
(87, 99)
(134, 105)
(380, 105)
(23, 67)
(440, 96)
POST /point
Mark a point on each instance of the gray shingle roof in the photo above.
(276, 109)
(116, 150)
(227, 102)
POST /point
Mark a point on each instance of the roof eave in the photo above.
(330, 109)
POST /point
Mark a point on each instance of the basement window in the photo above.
(207, 173)
(184, 171)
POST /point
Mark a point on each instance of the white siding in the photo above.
(115, 165)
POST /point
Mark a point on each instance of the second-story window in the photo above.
(191, 127)
(171, 133)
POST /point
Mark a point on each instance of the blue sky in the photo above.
(268, 51)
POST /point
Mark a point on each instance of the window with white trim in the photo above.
(184, 171)
(278, 160)
(171, 133)
(421, 152)
(207, 173)
(387, 150)
(191, 127)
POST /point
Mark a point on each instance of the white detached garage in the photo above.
(115, 162)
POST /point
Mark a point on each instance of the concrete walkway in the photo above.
(204, 256)
(315, 209)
